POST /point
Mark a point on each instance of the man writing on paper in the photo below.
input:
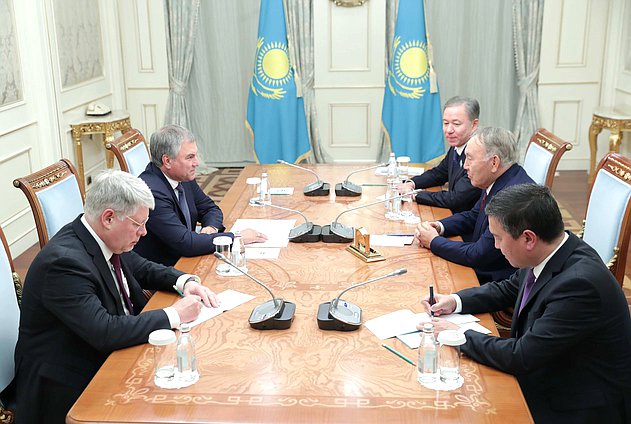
(83, 299)
(569, 345)
(491, 164)
(460, 120)
(180, 202)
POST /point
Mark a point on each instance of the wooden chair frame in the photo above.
(128, 140)
(553, 144)
(619, 167)
(40, 180)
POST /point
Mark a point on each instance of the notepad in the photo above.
(281, 191)
(229, 299)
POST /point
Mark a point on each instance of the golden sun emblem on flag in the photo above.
(409, 68)
(272, 70)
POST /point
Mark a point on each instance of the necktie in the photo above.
(530, 282)
(183, 205)
(116, 262)
(456, 159)
(483, 201)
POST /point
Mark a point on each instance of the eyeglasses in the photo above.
(139, 225)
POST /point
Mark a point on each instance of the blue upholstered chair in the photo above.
(606, 227)
(56, 197)
(131, 152)
(542, 156)
(10, 294)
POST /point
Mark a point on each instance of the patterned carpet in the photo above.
(217, 184)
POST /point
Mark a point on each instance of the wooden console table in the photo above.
(107, 125)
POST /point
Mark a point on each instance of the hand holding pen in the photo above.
(443, 304)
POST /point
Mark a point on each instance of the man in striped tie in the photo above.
(570, 344)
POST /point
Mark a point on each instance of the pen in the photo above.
(400, 355)
(374, 185)
(431, 297)
(178, 290)
(401, 235)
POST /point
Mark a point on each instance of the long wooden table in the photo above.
(304, 374)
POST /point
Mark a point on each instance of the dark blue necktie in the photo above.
(183, 205)
(529, 283)
(456, 159)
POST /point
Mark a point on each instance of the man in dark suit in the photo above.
(460, 120)
(491, 165)
(83, 299)
(570, 344)
(180, 202)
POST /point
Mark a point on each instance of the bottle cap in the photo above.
(161, 337)
(185, 327)
(451, 338)
(428, 326)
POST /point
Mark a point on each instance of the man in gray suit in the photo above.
(570, 341)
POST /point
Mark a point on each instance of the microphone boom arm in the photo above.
(223, 258)
(335, 223)
(392, 274)
(364, 169)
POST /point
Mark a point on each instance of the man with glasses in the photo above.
(83, 298)
(180, 202)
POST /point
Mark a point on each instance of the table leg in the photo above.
(109, 156)
(76, 138)
(594, 130)
(614, 140)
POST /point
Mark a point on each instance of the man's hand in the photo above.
(203, 293)
(405, 187)
(188, 308)
(252, 236)
(444, 304)
(426, 231)
(208, 230)
(440, 325)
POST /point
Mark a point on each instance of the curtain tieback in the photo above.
(178, 87)
(529, 80)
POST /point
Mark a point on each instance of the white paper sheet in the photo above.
(229, 299)
(392, 241)
(276, 230)
(412, 170)
(262, 253)
(393, 324)
(281, 191)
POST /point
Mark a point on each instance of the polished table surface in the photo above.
(304, 374)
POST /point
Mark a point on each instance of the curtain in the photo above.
(527, 25)
(299, 20)
(220, 79)
(181, 24)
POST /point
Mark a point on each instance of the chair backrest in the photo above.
(9, 314)
(606, 227)
(131, 151)
(56, 197)
(543, 155)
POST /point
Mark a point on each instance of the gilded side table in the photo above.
(616, 120)
(107, 125)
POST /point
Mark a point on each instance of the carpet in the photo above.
(216, 184)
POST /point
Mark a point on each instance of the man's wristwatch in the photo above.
(194, 278)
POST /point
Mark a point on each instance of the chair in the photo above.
(56, 197)
(606, 226)
(543, 155)
(10, 296)
(131, 151)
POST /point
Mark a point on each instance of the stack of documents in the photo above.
(276, 230)
(402, 325)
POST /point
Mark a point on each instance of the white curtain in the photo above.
(218, 87)
(181, 25)
(528, 24)
(473, 55)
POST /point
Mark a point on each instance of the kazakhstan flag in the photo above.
(411, 113)
(276, 115)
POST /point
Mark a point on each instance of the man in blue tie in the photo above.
(570, 344)
(492, 166)
(460, 120)
(180, 202)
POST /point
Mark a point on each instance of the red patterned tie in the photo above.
(483, 202)
(116, 262)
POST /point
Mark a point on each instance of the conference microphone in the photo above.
(303, 233)
(275, 314)
(340, 233)
(348, 189)
(342, 315)
(317, 188)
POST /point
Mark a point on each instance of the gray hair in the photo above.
(498, 141)
(117, 190)
(168, 141)
(471, 106)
